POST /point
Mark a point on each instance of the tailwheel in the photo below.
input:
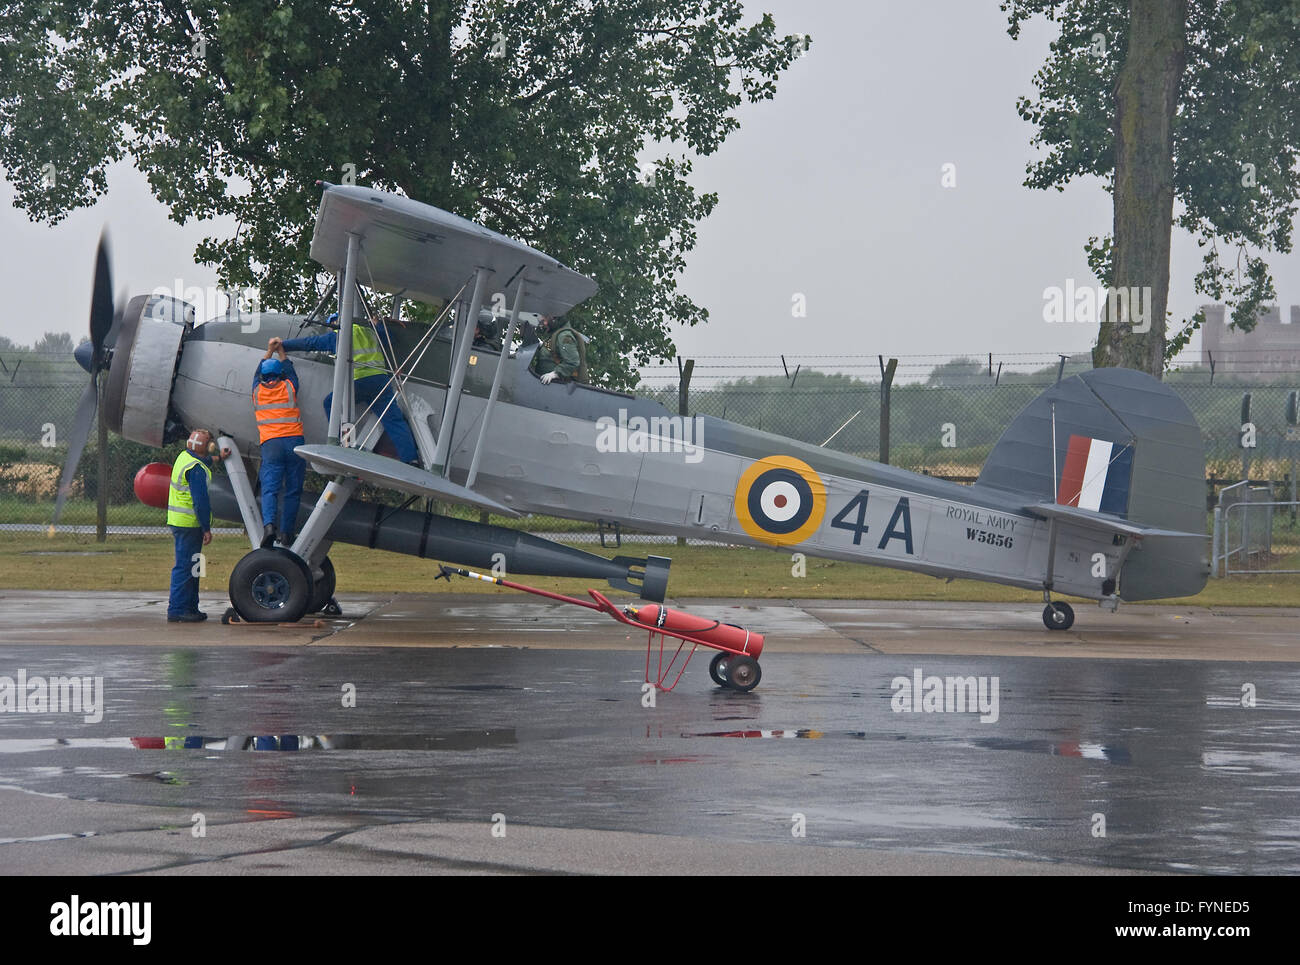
(271, 586)
(1058, 616)
(743, 673)
(718, 669)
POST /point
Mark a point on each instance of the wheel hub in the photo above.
(270, 590)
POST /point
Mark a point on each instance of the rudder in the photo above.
(1126, 445)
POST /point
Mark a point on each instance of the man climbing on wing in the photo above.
(369, 379)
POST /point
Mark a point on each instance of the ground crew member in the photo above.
(189, 516)
(279, 430)
(369, 379)
(563, 353)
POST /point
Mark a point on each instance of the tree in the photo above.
(56, 344)
(1187, 103)
(963, 371)
(530, 116)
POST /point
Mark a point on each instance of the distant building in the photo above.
(1270, 347)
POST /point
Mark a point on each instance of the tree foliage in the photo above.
(1236, 134)
(530, 116)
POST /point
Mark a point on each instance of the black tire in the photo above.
(1058, 616)
(718, 669)
(743, 673)
(270, 586)
(323, 589)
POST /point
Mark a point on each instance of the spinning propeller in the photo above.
(105, 316)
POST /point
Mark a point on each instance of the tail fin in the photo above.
(1125, 445)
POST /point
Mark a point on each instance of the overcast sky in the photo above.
(832, 191)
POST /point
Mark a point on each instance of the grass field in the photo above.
(32, 561)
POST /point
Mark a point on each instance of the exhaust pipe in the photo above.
(443, 538)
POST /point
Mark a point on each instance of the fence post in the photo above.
(683, 403)
(1214, 543)
(886, 380)
(684, 385)
(1245, 450)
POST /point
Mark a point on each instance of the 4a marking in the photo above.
(899, 526)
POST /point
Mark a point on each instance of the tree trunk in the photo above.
(1146, 95)
(431, 177)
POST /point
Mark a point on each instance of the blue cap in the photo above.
(272, 367)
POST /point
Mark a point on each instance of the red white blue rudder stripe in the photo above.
(1096, 475)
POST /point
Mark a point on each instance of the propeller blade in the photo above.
(102, 310)
(81, 426)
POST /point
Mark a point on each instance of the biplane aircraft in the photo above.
(1096, 490)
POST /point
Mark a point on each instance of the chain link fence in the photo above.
(944, 417)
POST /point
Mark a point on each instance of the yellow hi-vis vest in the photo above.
(180, 503)
(367, 359)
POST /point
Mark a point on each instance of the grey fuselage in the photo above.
(558, 449)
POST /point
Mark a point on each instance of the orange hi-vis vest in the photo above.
(276, 409)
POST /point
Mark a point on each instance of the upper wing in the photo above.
(412, 247)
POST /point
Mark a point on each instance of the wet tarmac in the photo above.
(535, 758)
(511, 619)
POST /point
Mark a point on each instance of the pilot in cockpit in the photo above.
(562, 354)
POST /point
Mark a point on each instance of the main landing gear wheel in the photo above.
(271, 586)
(743, 673)
(1058, 616)
(718, 669)
(322, 594)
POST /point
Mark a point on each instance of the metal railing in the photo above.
(1254, 533)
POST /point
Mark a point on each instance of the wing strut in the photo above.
(496, 385)
(343, 350)
(465, 333)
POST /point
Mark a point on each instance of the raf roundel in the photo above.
(780, 500)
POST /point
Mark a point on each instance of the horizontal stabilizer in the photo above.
(1102, 522)
(391, 474)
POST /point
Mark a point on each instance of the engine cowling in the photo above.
(140, 375)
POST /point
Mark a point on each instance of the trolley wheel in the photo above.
(322, 591)
(743, 673)
(718, 669)
(1058, 616)
(270, 586)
